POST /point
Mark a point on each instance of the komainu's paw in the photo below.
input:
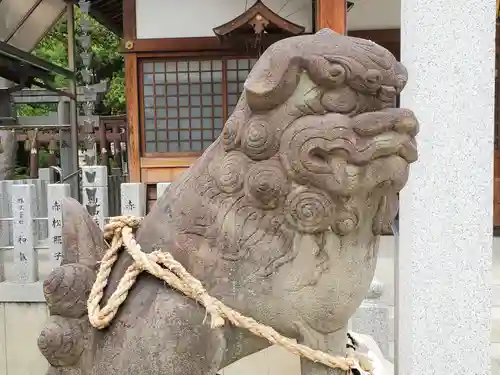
(67, 337)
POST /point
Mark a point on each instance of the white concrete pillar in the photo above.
(445, 241)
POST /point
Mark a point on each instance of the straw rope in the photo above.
(120, 232)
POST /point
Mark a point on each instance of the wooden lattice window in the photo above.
(186, 102)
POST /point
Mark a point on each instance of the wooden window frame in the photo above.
(223, 55)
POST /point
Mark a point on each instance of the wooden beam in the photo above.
(27, 96)
(331, 14)
(129, 20)
(199, 45)
(47, 137)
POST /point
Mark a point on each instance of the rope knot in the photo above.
(161, 264)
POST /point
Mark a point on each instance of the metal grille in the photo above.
(186, 102)
(237, 71)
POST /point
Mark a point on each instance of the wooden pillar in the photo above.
(117, 148)
(132, 93)
(331, 14)
(103, 145)
(133, 118)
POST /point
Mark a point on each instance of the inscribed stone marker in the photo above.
(25, 261)
(55, 195)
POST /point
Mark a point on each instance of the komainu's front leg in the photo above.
(67, 340)
(333, 343)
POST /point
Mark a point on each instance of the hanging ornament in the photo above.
(84, 40)
(86, 25)
(86, 75)
(86, 58)
(88, 126)
(88, 108)
(88, 142)
(84, 6)
(89, 93)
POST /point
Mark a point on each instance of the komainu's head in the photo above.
(315, 148)
(316, 134)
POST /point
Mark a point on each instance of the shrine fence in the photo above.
(31, 221)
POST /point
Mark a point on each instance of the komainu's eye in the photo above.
(386, 93)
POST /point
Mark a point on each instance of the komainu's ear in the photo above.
(273, 79)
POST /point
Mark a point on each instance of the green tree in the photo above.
(107, 63)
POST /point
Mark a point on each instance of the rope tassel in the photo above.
(120, 233)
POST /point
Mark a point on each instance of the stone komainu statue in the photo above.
(279, 219)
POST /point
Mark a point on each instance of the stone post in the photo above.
(8, 144)
(443, 306)
(95, 193)
(23, 210)
(161, 188)
(55, 195)
(133, 199)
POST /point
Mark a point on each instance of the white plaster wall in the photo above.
(197, 18)
(174, 19)
(374, 15)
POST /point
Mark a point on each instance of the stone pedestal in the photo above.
(372, 317)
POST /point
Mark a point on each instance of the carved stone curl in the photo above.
(267, 184)
(309, 210)
(230, 173)
(61, 342)
(259, 140)
(278, 219)
(67, 288)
